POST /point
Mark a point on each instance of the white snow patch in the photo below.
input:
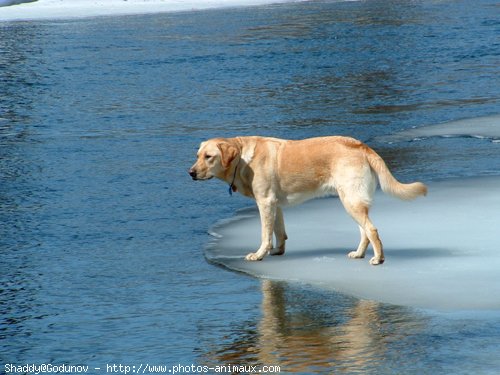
(67, 9)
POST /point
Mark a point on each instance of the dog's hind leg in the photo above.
(363, 244)
(279, 233)
(359, 212)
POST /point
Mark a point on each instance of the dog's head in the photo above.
(214, 159)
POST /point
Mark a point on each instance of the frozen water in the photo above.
(62, 9)
(4, 3)
(440, 250)
(480, 127)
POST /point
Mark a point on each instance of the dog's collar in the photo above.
(231, 185)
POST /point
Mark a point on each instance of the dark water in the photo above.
(102, 232)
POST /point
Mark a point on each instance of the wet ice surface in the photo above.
(440, 250)
(480, 127)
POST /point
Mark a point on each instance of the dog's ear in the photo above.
(228, 153)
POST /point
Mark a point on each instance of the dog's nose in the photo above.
(192, 173)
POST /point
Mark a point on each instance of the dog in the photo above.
(278, 172)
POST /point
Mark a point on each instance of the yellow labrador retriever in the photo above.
(277, 172)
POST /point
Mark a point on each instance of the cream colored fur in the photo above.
(277, 172)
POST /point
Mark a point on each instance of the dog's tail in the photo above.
(387, 181)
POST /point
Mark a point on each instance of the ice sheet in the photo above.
(65, 9)
(4, 3)
(441, 250)
(479, 127)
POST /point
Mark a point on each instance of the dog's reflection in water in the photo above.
(302, 343)
(306, 333)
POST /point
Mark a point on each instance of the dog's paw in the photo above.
(277, 251)
(376, 261)
(253, 257)
(355, 255)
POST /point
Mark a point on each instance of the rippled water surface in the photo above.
(102, 232)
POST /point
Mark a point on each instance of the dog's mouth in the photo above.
(202, 179)
(195, 177)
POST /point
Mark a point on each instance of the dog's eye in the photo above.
(207, 156)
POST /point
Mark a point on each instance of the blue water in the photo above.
(102, 232)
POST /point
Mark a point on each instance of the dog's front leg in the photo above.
(279, 233)
(267, 210)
